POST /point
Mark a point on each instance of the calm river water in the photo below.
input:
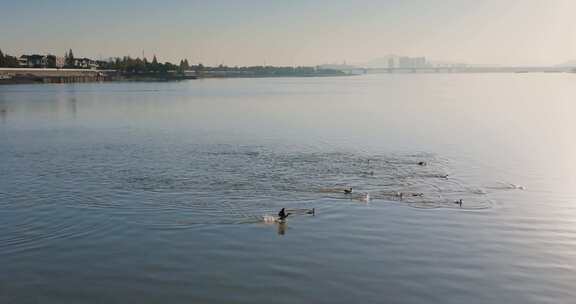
(158, 192)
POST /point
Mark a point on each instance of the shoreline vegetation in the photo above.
(67, 69)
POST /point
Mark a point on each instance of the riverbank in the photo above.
(22, 75)
(33, 75)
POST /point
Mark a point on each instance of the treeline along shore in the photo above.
(52, 69)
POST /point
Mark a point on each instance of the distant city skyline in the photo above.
(258, 32)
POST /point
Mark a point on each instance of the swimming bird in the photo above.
(458, 202)
(365, 197)
(348, 191)
(282, 214)
(422, 163)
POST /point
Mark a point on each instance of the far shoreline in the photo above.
(13, 76)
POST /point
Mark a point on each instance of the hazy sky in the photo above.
(296, 32)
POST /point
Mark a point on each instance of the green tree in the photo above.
(139, 66)
(154, 66)
(10, 61)
(184, 66)
(69, 58)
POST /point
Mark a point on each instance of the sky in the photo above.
(295, 32)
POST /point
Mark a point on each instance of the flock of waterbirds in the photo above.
(365, 197)
(240, 185)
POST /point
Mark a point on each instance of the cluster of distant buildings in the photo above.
(404, 62)
(395, 62)
(51, 61)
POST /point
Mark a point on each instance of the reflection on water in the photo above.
(281, 227)
(167, 192)
(3, 114)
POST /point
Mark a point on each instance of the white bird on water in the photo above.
(366, 197)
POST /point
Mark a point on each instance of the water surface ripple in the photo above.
(158, 192)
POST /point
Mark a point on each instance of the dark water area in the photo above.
(163, 192)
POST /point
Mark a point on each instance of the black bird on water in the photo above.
(459, 202)
(348, 191)
(422, 163)
(282, 214)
